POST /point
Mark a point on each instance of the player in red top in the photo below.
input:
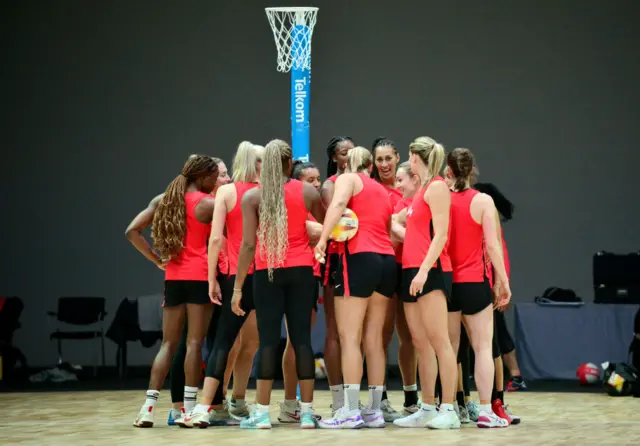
(408, 184)
(180, 230)
(385, 163)
(365, 282)
(473, 217)
(426, 284)
(275, 216)
(228, 215)
(290, 409)
(338, 158)
(503, 345)
(177, 378)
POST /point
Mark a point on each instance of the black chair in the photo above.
(79, 311)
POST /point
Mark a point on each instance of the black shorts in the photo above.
(366, 273)
(436, 280)
(332, 260)
(178, 292)
(226, 289)
(505, 342)
(290, 283)
(398, 278)
(470, 297)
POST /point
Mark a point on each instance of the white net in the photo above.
(292, 30)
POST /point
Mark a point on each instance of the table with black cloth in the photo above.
(553, 341)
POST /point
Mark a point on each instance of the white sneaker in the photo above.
(238, 411)
(446, 419)
(145, 417)
(343, 419)
(389, 413)
(195, 419)
(418, 419)
(488, 420)
(410, 410)
(373, 418)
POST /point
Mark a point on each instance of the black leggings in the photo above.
(292, 293)
(228, 327)
(504, 341)
(464, 360)
(177, 378)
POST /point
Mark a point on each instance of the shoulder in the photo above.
(224, 190)
(155, 201)
(437, 187)
(252, 196)
(483, 200)
(309, 190)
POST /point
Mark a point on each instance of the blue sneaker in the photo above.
(308, 420)
(174, 414)
(257, 420)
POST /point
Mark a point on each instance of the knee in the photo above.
(373, 341)
(250, 347)
(480, 343)
(170, 345)
(439, 341)
(351, 337)
(332, 333)
(194, 344)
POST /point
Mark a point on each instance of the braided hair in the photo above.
(170, 219)
(332, 146)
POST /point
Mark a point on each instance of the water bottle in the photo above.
(298, 392)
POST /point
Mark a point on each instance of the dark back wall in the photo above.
(105, 100)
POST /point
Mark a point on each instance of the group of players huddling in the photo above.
(428, 261)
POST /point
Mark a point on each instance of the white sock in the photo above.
(446, 407)
(152, 398)
(375, 397)
(190, 398)
(352, 396)
(411, 388)
(427, 407)
(201, 408)
(175, 413)
(485, 408)
(337, 395)
(306, 407)
(291, 403)
(261, 408)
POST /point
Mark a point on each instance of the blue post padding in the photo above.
(300, 93)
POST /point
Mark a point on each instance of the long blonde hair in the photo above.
(359, 160)
(244, 163)
(273, 229)
(431, 153)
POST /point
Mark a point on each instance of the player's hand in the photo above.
(417, 284)
(320, 251)
(235, 302)
(505, 294)
(214, 292)
(162, 264)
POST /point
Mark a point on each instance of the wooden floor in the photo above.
(104, 418)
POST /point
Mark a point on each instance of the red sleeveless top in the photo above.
(373, 209)
(299, 252)
(191, 262)
(419, 233)
(466, 247)
(395, 196)
(233, 224)
(402, 204)
(223, 260)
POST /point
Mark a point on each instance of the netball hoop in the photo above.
(292, 31)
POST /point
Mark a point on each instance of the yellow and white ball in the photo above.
(346, 228)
